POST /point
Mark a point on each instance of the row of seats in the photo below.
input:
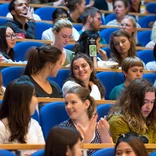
(109, 79)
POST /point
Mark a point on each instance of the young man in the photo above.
(132, 68)
(23, 23)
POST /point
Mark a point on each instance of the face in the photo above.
(21, 7)
(81, 6)
(96, 22)
(133, 73)
(121, 44)
(75, 107)
(33, 104)
(128, 26)
(10, 38)
(148, 104)
(82, 70)
(119, 9)
(54, 68)
(76, 150)
(123, 149)
(63, 36)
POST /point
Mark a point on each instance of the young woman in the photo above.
(132, 68)
(67, 139)
(131, 144)
(16, 124)
(81, 108)
(135, 111)
(82, 73)
(43, 62)
(121, 46)
(129, 24)
(62, 30)
(76, 8)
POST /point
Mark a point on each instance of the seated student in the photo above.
(135, 111)
(152, 43)
(23, 23)
(82, 73)
(76, 8)
(67, 139)
(43, 62)
(2, 89)
(58, 14)
(131, 144)
(16, 125)
(7, 43)
(132, 68)
(81, 108)
(62, 30)
(121, 46)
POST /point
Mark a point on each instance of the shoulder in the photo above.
(25, 78)
(116, 119)
(113, 23)
(47, 31)
(66, 123)
(151, 65)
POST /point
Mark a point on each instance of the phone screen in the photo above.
(92, 50)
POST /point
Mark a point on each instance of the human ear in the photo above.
(13, 12)
(87, 104)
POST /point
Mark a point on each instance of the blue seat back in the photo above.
(105, 33)
(6, 153)
(11, 73)
(110, 80)
(3, 21)
(150, 77)
(61, 77)
(104, 152)
(41, 27)
(38, 153)
(103, 110)
(145, 21)
(152, 153)
(4, 9)
(151, 7)
(77, 26)
(144, 37)
(69, 46)
(45, 13)
(109, 18)
(51, 115)
(146, 55)
(22, 48)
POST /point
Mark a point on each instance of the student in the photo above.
(16, 125)
(67, 139)
(81, 108)
(135, 111)
(7, 43)
(76, 8)
(82, 73)
(62, 30)
(131, 144)
(23, 23)
(129, 24)
(58, 14)
(132, 68)
(121, 46)
(152, 43)
(43, 62)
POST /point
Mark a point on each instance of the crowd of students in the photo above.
(131, 119)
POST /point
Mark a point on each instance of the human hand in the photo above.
(103, 129)
(103, 54)
(88, 133)
(29, 14)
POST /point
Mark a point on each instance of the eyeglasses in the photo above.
(11, 36)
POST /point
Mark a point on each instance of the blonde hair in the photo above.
(153, 34)
(62, 23)
(134, 34)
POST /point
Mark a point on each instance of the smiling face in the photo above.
(75, 107)
(123, 149)
(10, 38)
(63, 37)
(127, 25)
(121, 44)
(148, 104)
(120, 10)
(82, 70)
(21, 7)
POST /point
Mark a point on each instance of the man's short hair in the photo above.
(12, 5)
(89, 11)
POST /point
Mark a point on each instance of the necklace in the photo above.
(38, 79)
